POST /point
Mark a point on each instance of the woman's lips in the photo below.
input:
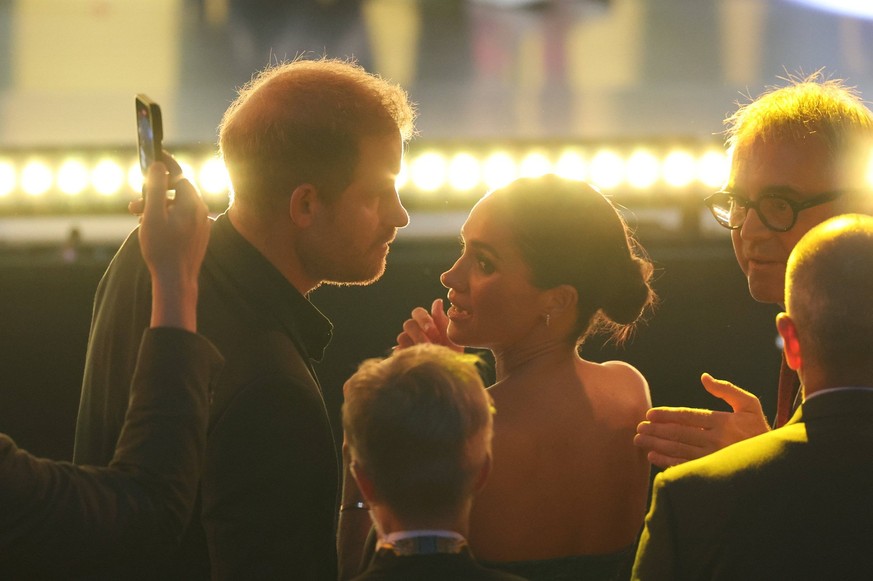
(456, 313)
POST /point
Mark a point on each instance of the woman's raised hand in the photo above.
(424, 327)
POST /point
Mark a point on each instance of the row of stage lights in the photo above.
(46, 182)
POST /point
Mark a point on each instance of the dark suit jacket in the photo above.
(794, 503)
(438, 567)
(57, 519)
(268, 494)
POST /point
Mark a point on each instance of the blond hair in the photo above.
(411, 420)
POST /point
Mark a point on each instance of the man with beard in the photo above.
(312, 148)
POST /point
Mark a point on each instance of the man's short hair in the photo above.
(829, 295)
(808, 105)
(301, 122)
(414, 421)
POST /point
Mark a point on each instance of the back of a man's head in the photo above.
(829, 295)
(301, 122)
(419, 423)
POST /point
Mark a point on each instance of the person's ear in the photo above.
(560, 299)
(365, 483)
(790, 343)
(304, 205)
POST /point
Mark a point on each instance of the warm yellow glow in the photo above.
(498, 170)
(134, 177)
(107, 177)
(456, 171)
(712, 168)
(534, 165)
(642, 169)
(870, 170)
(7, 178)
(464, 172)
(679, 168)
(36, 178)
(403, 176)
(187, 170)
(72, 177)
(213, 177)
(571, 165)
(607, 169)
(428, 171)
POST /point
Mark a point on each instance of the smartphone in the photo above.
(149, 131)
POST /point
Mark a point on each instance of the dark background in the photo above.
(705, 321)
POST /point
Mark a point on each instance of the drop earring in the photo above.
(548, 319)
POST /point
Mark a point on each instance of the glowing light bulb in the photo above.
(36, 178)
(679, 168)
(213, 177)
(607, 169)
(712, 168)
(534, 165)
(72, 177)
(107, 177)
(642, 169)
(498, 170)
(428, 171)
(464, 172)
(571, 165)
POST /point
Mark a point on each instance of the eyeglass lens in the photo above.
(773, 211)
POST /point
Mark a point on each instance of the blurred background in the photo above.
(627, 94)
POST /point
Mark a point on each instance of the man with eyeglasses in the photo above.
(793, 503)
(799, 155)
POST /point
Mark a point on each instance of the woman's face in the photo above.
(493, 303)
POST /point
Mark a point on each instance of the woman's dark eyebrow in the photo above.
(486, 247)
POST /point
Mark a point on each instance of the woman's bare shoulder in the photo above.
(623, 381)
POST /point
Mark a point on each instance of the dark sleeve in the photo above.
(270, 484)
(65, 515)
(122, 313)
(656, 555)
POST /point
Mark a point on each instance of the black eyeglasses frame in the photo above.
(748, 204)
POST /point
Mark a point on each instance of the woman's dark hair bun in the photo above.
(632, 292)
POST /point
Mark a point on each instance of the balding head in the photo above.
(829, 298)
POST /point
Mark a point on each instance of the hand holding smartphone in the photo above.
(150, 132)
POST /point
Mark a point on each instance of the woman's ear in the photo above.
(790, 343)
(304, 205)
(561, 298)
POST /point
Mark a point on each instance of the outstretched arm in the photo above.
(674, 435)
(54, 514)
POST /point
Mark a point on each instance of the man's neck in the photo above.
(275, 244)
(387, 522)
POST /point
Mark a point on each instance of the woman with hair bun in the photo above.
(546, 262)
